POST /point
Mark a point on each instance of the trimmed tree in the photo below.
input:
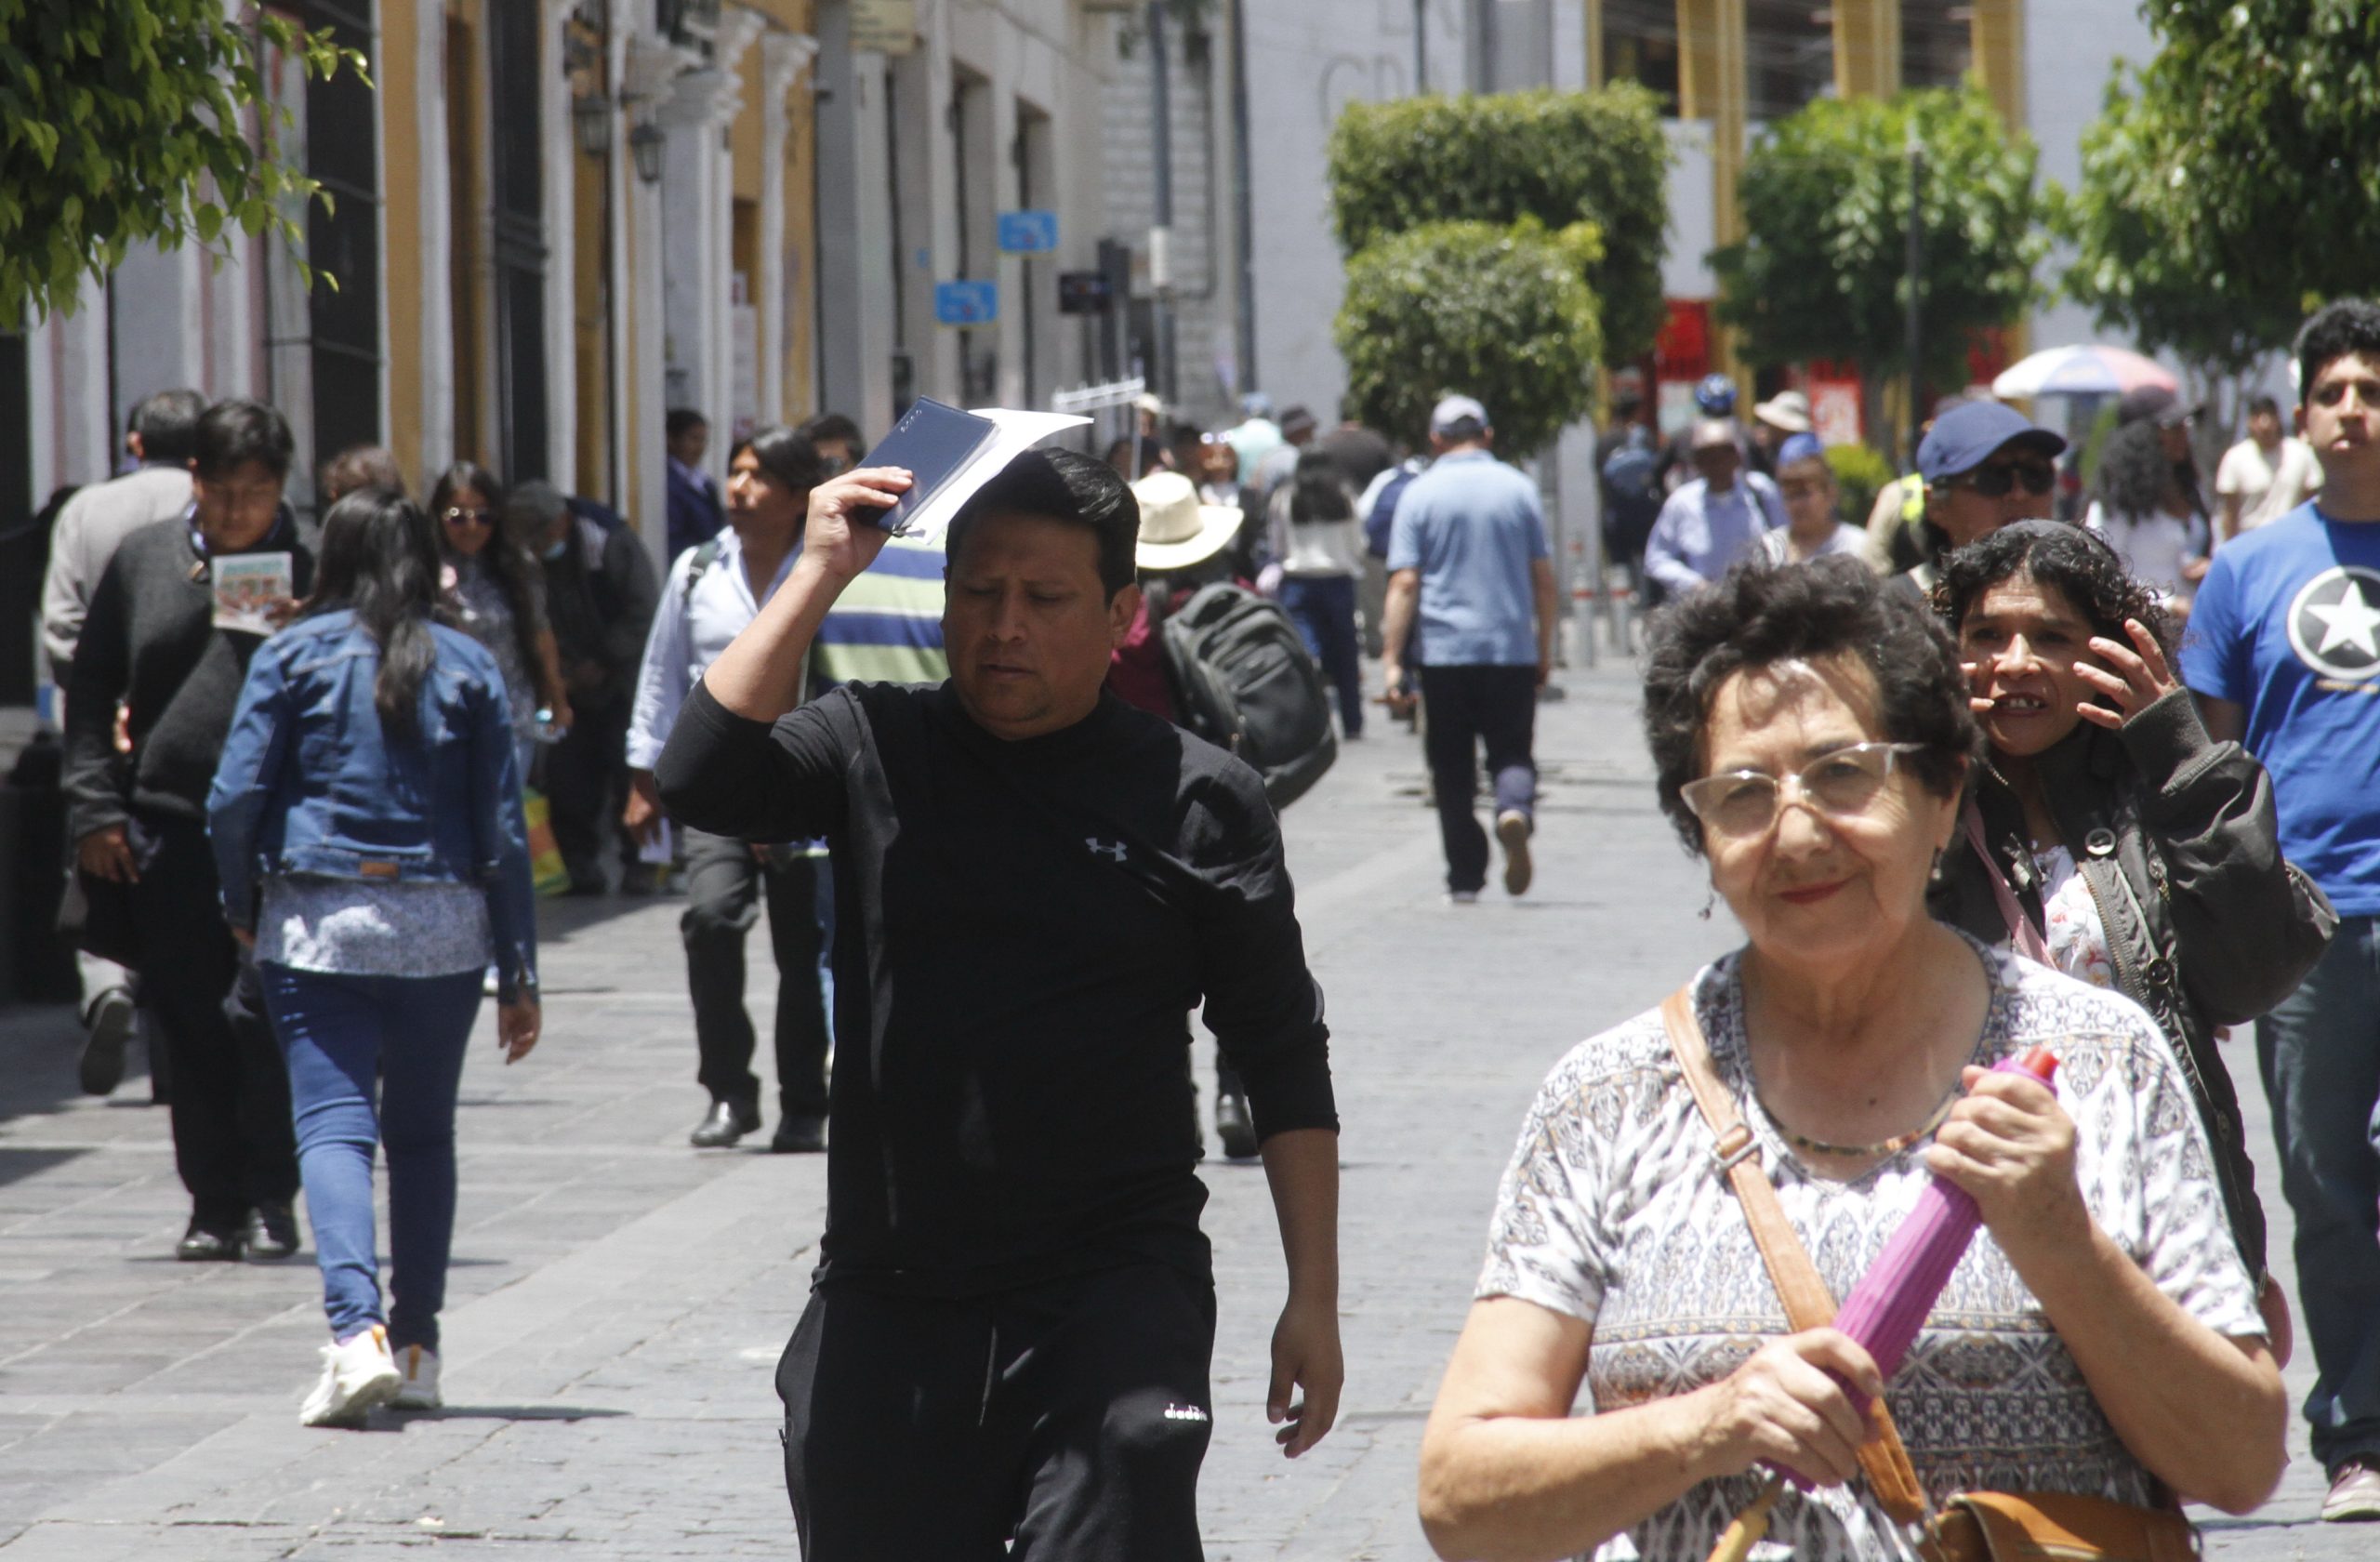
(1498, 312)
(1559, 158)
(125, 122)
(1822, 269)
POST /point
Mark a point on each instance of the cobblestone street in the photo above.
(619, 1299)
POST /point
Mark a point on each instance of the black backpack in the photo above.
(1632, 492)
(1243, 681)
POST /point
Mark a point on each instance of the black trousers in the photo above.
(1469, 708)
(232, 1140)
(587, 785)
(723, 888)
(1070, 1418)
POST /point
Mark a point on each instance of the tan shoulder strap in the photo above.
(1808, 1303)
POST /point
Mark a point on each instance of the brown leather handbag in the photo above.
(1973, 1526)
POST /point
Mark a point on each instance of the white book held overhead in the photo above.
(953, 453)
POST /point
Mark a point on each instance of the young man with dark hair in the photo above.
(838, 440)
(159, 435)
(1013, 1314)
(151, 644)
(2283, 653)
(696, 511)
(2265, 476)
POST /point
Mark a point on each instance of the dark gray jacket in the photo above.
(2207, 925)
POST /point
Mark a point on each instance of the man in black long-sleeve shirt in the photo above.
(151, 645)
(1014, 1310)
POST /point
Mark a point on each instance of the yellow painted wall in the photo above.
(801, 241)
(397, 75)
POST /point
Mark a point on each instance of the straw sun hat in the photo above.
(1176, 530)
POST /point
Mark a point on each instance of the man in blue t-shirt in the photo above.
(2283, 653)
(1467, 562)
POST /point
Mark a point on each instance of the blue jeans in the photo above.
(1323, 607)
(2320, 1052)
(338, 1033)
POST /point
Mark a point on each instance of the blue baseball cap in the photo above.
(1966, 437)
(1715, 394)
(1799, 448)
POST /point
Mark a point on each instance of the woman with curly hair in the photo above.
(2152, 518)
(2108, 835)
(498, 598)
(1812, 739)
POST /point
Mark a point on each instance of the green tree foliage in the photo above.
(1559, 157)
(1498, 312)
(125, 122)
(1859, 473)
(1822, 270)
(2232, 184)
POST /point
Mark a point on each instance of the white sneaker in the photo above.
(1511, 833)
(419, 1366)
(357, 1374)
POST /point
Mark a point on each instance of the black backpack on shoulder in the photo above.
(1243, 681)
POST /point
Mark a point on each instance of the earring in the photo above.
(1710, 898)
(1934, 872)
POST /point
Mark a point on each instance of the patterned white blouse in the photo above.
(1613, 1211)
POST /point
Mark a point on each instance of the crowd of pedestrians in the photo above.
(1970, 788)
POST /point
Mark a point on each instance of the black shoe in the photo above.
(110, 1023)
(1234, 1127)
(272, 1231)
(803, 1134)
(204, 1244)
(728, 1121)
(643, 879)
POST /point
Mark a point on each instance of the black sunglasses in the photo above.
(1993, 482)
(459, 516)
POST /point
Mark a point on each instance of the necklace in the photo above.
(1891, 1147)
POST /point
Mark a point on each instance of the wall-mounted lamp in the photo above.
(645, 144)
(591, 117)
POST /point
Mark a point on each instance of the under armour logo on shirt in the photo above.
(1112, 851)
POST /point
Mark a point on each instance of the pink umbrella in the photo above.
(2082, 371)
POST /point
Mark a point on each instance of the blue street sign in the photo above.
(966, 303)
(1028, 232)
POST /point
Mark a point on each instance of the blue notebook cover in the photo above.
(935, 442)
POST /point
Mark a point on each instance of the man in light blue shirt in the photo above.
(1471, 602)
(714, 589)
(1716, 519)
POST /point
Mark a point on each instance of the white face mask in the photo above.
(554, 549)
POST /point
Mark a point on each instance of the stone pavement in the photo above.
(618, 1300)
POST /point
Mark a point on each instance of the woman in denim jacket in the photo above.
(368, 828)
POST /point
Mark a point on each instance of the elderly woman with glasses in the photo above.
(1812, 738)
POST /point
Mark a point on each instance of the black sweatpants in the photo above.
(232, 1140)
(1069, 1417)
(723, 888)
(1470, 708)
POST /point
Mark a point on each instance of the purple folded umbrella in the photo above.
(1888, 1306)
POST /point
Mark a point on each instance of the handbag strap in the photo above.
(1808, 1303)
(2021, 931)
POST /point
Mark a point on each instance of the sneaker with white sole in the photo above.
(418, 1367)
(358, 1373)
(1512, 830)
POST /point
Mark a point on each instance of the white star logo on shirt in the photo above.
(2333, 627)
